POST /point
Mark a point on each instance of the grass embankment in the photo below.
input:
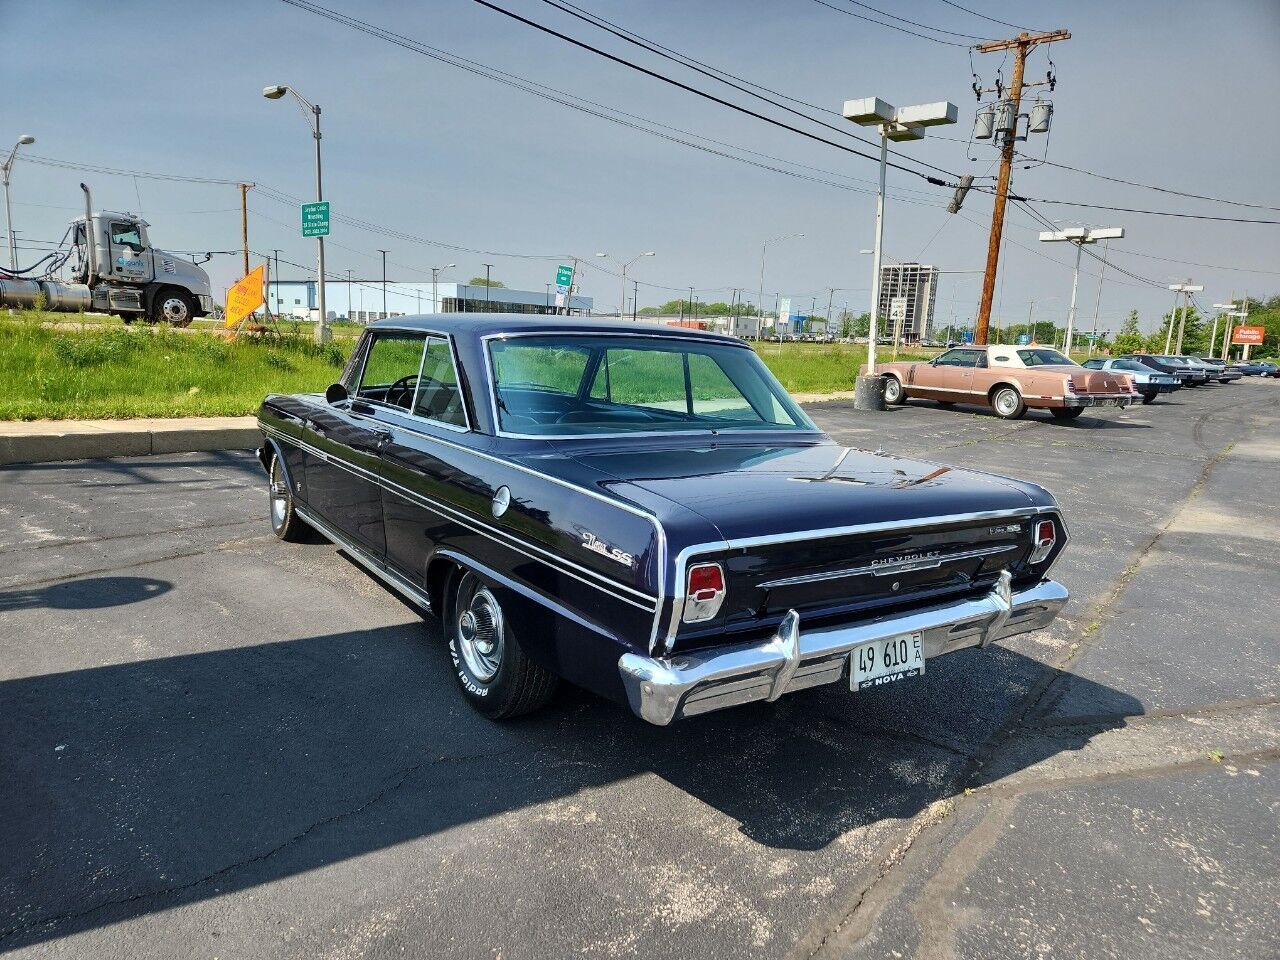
(823, 367)
(115, 372)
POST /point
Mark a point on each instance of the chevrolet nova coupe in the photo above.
(645, 512)
(1008, 379)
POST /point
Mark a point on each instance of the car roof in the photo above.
(496, 324)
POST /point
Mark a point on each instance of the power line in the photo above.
(1152, 213)
(1148, 186)
(622, 61)
(983, 16)
(891, 26)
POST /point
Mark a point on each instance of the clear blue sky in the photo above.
(1176, 93)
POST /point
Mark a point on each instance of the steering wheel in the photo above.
(405, 385)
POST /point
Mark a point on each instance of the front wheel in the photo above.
(174, 307)
(1007, 403)
(893, 392)
(1066, 413)
(496, 676)
(285, 522)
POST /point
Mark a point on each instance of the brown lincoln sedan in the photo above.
(1009, 380)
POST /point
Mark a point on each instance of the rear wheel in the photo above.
(1148, 398)
(1007, 403)
(893, 392)
(495, 675)
(1066, 413)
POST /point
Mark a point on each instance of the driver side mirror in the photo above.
(335, 394)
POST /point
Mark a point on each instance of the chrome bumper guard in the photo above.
(1120, 400)
(685, 684)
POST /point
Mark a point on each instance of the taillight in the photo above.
(1046, 535)
(704, 592)
(1071, 385)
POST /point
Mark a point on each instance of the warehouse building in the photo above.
(361, 300)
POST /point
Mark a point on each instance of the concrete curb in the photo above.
(44, 441)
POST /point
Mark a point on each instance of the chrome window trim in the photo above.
(497, 421)
(427, 336)
(608, 585)
(682, 558)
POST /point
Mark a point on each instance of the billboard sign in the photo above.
(1248, 335)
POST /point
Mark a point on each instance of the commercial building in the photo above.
(361, 300)
(907, 295)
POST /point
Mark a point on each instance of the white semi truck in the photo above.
(117, 272)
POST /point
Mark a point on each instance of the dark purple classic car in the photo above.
(643, 511)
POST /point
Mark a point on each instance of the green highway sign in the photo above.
(315, 219)
(564, 276)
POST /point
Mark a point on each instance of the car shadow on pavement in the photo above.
(136, 787)
(156, 468)
(86, 594)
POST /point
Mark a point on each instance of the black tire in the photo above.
(495, 675)
(894, 393)
(1007, 402)
(1066, 413)
(946, 404)
(1148, 398)
(174, 307)
(285, 522)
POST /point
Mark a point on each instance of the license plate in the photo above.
(883, 661)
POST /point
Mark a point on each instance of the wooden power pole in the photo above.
(244, 223)
(1023, 44)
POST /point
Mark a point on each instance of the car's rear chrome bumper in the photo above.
(1098, 400)
(684, 684)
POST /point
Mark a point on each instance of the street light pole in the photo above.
(898, 124)
(435, 288)
(7, 169)
(487, 281)
(760, 303)
(384, 283)
(622, 302)
(275, 93)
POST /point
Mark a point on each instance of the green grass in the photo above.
(111, 371)
(823, 367)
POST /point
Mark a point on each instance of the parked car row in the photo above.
(1014, 379)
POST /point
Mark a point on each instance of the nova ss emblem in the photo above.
(593, 543)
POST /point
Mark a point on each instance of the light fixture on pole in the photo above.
(8, 209)
(622, 303)
(1223, 309)
(760, 303)
(312, 113)
(435, 286)
(898, 124)
(384, 283)
(487, 282)
(1183, 290)
(1078, 236)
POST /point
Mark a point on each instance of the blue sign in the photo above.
(1024, 339)
(966, 336)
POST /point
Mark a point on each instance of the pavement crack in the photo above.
(396, 782)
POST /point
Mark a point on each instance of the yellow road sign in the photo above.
(245, 297)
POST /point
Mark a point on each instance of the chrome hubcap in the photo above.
(173, 310)
(891, 391)
(480, 635)
(279, 492)
(1006, 402)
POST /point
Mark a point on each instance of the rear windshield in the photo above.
(571, 385)
(1044, 357)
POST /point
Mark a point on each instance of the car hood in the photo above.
(764, 489)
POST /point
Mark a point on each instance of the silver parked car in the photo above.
(1147, 381)
(1220, 369)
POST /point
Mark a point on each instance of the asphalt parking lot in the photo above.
(218, 745)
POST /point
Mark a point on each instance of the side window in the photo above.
(982, 361)
(1097, 364)
(958, 358)
(126, 234)
(391, 369)
(438, 396)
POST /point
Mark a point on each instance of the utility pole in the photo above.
(1021, 45)
(831, 292)
(384, 283)
(350, 304)
(487, 282)
(635, 299)
(1184, 290)
(277, 276)
(1097, 304)
(244, 223)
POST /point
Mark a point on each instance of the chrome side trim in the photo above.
(637, 598)
(387, 576)
(660, 690)
(885, 569)
(742, 543)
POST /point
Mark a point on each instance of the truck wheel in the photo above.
(174, 307)
(285, 522)
(1007, 403)
(893, 392)
(495, 675)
